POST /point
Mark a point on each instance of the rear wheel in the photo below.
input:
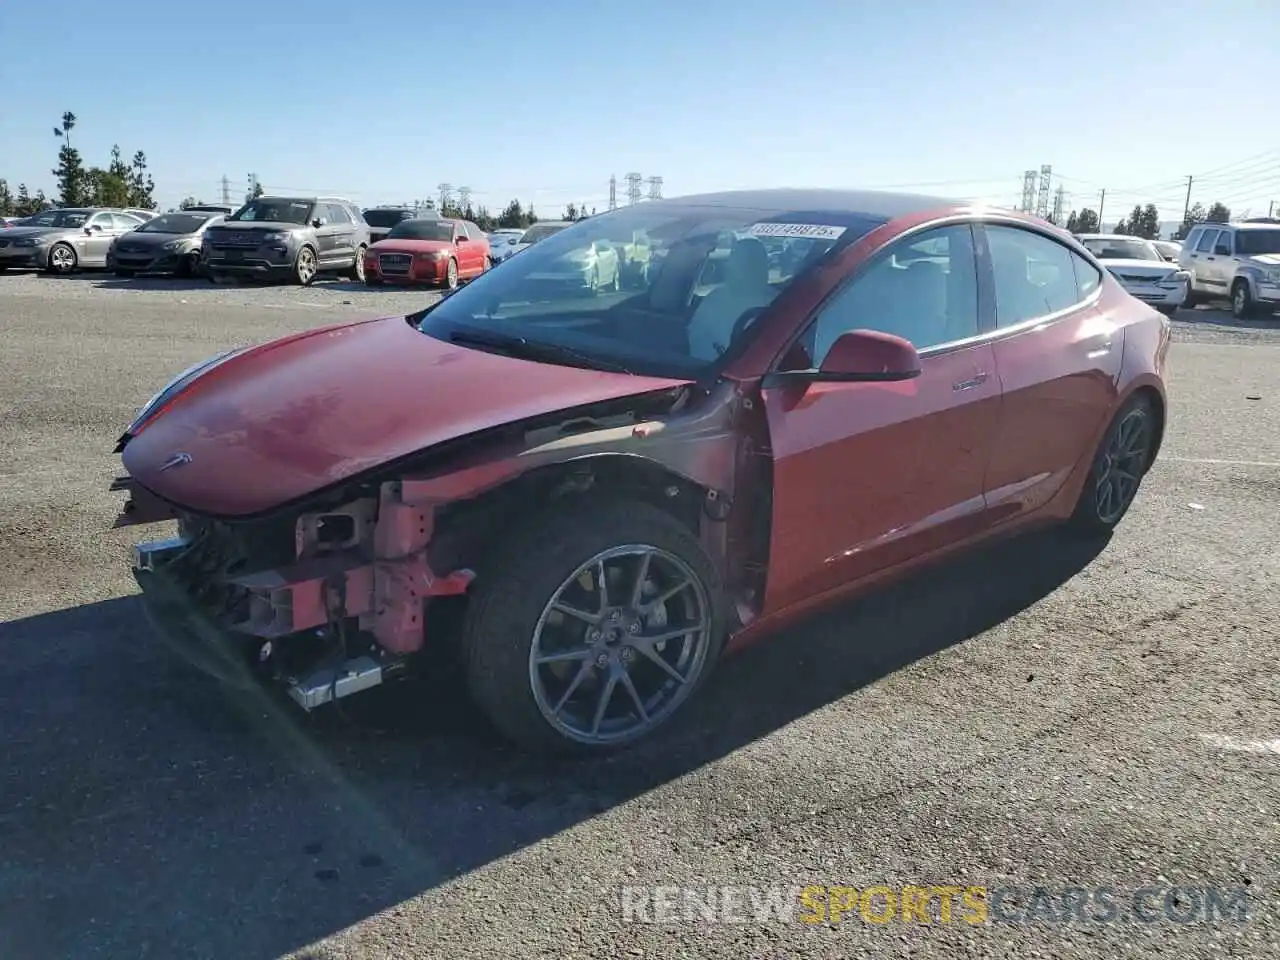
(592, 627)
(1122, 460)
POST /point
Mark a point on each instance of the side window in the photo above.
(1224, 241)
(1034, 276)
(1206, 241)
(124, 222)
(1192, 238)
(356, 216)
(1088, 277)
(336, 214)
(103, 221)
(923, 289)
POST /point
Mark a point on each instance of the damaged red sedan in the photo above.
(589, 500)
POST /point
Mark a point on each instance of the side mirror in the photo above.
(462, 240)
(90, 230)
(318, 222)
(1221, 251)
(865, 356)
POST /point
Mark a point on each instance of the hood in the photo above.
(291, 417)
(259, 226)
(138, 241)
(410, 246)
(1155, 268)
(15, 233)
(1266, 259)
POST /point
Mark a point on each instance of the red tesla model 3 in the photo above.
(589, 500)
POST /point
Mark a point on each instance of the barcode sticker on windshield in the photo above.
(815, 231)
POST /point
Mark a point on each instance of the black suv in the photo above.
(297, 238)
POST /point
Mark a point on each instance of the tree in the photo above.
(257, 191)
(189, 202)
(70, 171)
(1150, 222)
(1195, 215)
(6, 198)
(570, 212)
(141, 186)
(1218, 213)
(1086, 221)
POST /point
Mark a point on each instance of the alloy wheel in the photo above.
(62, 259)
(306, 266)
(620, 645)
(1122, 465)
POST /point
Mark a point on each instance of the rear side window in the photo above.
(1206, 241)
(1224, 241)
(1034, 276)
(1088, 277)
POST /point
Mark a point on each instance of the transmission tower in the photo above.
(226, 191)
(446, 194)
(613, 192)
(655, 188)
(464, 197)
(633, 187)
(1042, 198)
(1059, 200)
(1028, 191)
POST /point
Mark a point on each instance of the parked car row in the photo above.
(1239, 262)
(287, 238)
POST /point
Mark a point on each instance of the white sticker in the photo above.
(816, 231)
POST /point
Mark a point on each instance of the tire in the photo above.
(189, 265)
(1242, 305)
(62, 259)
(1167, 311)
(357, 268)
(1093, 514)
(1192, 299)
(451, 275)
(372, 281)
(305, 267)
(509, 616)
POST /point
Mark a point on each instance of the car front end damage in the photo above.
(338, 594)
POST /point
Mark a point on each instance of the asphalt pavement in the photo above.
(1037, 714)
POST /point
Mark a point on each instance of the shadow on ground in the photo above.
(147, 813)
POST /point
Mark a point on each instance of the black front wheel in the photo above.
(1123, 459)
(592, 626)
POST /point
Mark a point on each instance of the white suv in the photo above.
(1239, 261)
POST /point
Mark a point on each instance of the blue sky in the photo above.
(543, 101)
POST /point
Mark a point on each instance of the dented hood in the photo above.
(294, 416)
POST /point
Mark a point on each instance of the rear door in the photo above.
(341, 231)
(868, 475)
(1058, 357)
(102, 230)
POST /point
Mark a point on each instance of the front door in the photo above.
(868, 475)
(1058, 357)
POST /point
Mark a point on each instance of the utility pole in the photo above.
(613, 192)
(226, 191)
(1102, 202)
(1271, 209)
(464, 197)
(1186, 209)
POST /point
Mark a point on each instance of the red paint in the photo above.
(431, 258)
(305, 413)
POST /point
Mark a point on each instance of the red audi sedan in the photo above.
(591, 500)
(434, 251)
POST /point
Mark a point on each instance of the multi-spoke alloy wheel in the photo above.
(597, 622)
(1119, 466)
(615, 649)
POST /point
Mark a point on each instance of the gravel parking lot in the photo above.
(1037, 714)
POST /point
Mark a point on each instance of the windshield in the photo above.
(1114, 248)
(540, 231)
(60, 218)
(275, 211)
(659, 289)
(1250, 243)
(385, 218)
(176, 223)
(422, 230)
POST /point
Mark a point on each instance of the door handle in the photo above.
(977, 381)
(1099, 351)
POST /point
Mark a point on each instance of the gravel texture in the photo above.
(1034, 714)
